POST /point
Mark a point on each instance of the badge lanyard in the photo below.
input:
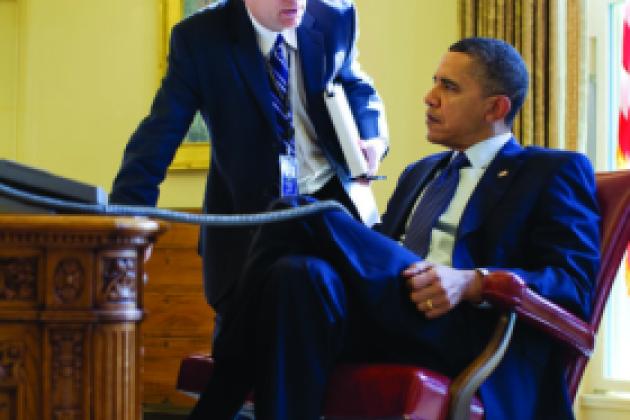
(287, 161)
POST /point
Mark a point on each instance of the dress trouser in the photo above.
(313, 291)
(332, 190)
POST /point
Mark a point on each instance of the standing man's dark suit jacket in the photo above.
(534, 213)
(215, 66)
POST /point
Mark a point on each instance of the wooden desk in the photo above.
(70, 308)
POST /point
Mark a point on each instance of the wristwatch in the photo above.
(483, 272)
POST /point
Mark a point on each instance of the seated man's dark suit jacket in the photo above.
(534, 213)
(215, 66)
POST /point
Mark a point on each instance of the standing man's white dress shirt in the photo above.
(314, 169)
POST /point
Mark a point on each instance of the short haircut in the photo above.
(503, 69)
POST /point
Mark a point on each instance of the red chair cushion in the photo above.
(194, 373)
(361, 391)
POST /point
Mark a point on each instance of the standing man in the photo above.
(327, 288)
(256, 70)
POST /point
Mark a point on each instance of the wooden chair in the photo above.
(411, 392)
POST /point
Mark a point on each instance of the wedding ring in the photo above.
(429, 304)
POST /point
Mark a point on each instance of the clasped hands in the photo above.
(436, 289)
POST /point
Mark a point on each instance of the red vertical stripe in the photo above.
(624, 140)
(624, 121)
(624, 114)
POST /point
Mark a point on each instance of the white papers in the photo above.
(348, 135)
(363, 199)
(346, 128)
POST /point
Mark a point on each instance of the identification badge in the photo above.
(288, 175)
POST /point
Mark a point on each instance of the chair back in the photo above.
(613, 196)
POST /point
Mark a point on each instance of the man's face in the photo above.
(277, 15)
(458, 109)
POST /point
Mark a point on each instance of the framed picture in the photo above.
(194, 153)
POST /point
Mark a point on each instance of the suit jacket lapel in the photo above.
(491, 187)
(250, 60)
(408, 191)
(312, 55)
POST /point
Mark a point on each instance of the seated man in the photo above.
(325, 288)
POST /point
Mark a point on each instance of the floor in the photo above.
(163, 413)
(163, 416)
(158, 412)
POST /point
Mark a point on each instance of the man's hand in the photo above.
(373, 150)
(436, 289)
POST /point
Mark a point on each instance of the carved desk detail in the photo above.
(120, 279)
(70, 308)
(17, 278)
(69, 279)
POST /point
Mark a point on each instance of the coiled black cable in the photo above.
(170, 215)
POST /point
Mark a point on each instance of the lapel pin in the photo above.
(503, 173)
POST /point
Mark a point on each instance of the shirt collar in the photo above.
(266, 37)
(481, 154)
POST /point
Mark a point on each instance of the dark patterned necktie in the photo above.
(433, 203)
(279, 78)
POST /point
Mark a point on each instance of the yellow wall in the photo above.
(400, 43)
(8, 77)
(78, 75)
(87, 72)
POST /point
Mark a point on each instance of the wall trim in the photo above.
(613, 401)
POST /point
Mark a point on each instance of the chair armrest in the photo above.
(465, 385)
(508, 291)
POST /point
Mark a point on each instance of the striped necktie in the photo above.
(279, 78)
(433, 203)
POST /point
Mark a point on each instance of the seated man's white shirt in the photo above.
(444, 233)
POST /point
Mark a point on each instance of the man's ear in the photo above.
(499, 108)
